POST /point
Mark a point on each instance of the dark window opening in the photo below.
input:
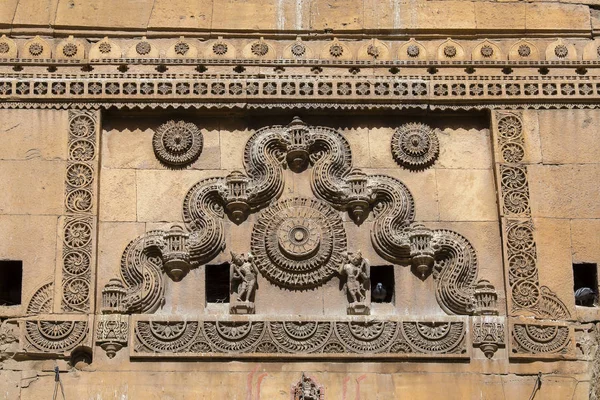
(585, 279)
(382, 284)
(217, 283)
(11, 281)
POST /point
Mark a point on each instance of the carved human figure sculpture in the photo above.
(243, 283)
(356, 270)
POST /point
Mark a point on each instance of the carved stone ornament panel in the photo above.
(58, 336)
(357, 338)
(177, 143)
(526, 293)
(298, 242)
(541, 340)
(415, 146)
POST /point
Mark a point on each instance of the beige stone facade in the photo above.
(324, 199)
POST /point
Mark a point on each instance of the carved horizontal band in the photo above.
(243, 338)
(281, 88)
(223, 50)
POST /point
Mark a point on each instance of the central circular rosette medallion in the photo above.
(297, 243)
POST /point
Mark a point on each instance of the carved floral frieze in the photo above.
(355, 338)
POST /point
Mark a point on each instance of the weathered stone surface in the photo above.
(118, 196)
(565, 191)
(32, 13)
(464, 149)
(33, 240)
(161, 193)
(131, 15)
(585, 241)
(581, 145)
(41, 135)
(30, 181)
(554, 258)
(182, 14)
(456, 204)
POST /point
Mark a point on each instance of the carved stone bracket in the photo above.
(489, 334)
(341, 338)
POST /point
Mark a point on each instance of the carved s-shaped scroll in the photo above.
(455, 272)
(141, 270)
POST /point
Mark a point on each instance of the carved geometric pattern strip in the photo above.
(521, 255)
(79, 199)
(307, 338)
(276, 88)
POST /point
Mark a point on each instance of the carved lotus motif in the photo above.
(298, 243)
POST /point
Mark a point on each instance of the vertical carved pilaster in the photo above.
(525, 293)
(79, 223)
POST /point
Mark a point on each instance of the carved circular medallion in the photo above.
(36, 49)
(259, 49)
(413, 50)
(219, 48)
(561, 51)
(524, 50)
(450, 51)
(486, 51)
(298, 242)
(104, 47)
(336, 50)
(76, 262)
(415, 146)
(76, 291)
(177, 143)
(70, 49)
(373, 51)
(298, 49)
(82, 150)
(182, 48)
(525, 294)
(4, 47)
(143, 48)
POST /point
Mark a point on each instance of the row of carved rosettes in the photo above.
(446, 254)
(526, 294)
(331, 49)
(78, 236)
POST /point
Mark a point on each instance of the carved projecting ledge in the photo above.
(242, 338)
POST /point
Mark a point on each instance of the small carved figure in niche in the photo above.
(243, 283)
(307, 389)
(356, 270)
